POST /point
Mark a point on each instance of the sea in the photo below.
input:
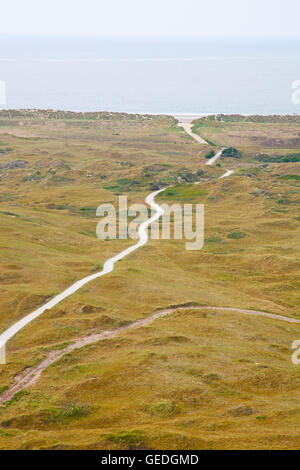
(145, 75)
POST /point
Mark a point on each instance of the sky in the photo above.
(152, 18)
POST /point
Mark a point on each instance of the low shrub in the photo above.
(66, 412)
(129, 439)
(164, 409)
(236, 235)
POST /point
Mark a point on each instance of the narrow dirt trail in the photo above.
(108, 265)
(187, 126)
(107, 268)
(212, 160)
(30, 376)
(228, 173)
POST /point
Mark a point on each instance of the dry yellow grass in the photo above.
(206, 380)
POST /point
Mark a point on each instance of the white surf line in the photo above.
(107, 268)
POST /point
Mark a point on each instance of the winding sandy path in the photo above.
(228, 173)
(107, 268)
(31, 375)
(187, 126)
(212, 160)
(108, 265)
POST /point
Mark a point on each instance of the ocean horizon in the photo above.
(157, 76)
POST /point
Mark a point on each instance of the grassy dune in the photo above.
(196, 379)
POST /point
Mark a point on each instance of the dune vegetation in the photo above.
(194, 379)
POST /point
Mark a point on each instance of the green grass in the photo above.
(17, 397)
(174, 383)
(290, 158)
(236, 235)
(231, 152)
(66, 412)
(290, 177)
(184, 193)
(210, 154)
(164, 409)
(126, 439)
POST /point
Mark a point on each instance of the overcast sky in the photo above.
(155, 18)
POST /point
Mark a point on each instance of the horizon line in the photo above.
(128, 36)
